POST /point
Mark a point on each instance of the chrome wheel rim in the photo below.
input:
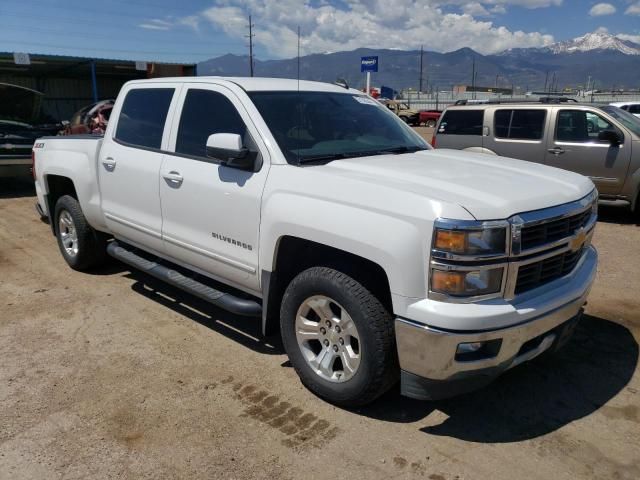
(68, 234)
(328, 339)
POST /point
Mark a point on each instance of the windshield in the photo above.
(325, 126)
(628, 120)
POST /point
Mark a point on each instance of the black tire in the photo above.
(406, 120)
(431, 124)
(91, 245)
(378, 368)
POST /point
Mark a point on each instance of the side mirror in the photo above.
(228, 148)
(610, 136)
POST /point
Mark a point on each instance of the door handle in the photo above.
(556, 151)
(109, 164)
(173, 178)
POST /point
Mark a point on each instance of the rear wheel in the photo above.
(81, 246)
(339, 337)
(431, 123)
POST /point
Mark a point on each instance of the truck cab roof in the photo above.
(256, 84)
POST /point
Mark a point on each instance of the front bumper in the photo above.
(432, 369)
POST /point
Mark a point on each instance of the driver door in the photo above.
(211, 212)
(575, 146)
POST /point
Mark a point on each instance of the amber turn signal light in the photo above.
(451, 240)
(448, 282)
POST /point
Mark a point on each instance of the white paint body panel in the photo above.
(381, 208)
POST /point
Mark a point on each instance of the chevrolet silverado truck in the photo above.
(315, 209)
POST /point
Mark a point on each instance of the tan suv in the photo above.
(407, 114)
(601, 142)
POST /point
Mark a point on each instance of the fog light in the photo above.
(472, 351)
(469, 347)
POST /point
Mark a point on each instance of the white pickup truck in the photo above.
(311, 205)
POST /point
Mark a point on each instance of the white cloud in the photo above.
(156, 24)
(629, 38)
(404, 24)
(600, 9)
(633, 9)
(475, 9)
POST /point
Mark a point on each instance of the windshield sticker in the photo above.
(442, 128)
(365, 100)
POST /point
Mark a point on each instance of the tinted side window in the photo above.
(580, 126)
(519, 124)
(143, 115)
(634, 109)
(204, 113)
(462, 122)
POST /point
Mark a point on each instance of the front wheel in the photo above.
(339, 337)
(431, 123)
(81, 246)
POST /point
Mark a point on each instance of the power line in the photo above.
(98, 49)
(84, 34)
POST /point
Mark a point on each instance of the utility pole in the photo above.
(251, 35)
(421, 59)
(546, 79)
(298, 54)
(473, 78)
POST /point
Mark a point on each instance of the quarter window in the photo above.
(462, 122)
(143, 115)
(580, 126)
(206, 112)
(519, 124)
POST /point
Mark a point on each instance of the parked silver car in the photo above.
(601, 142)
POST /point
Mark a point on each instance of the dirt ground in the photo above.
(114, 375)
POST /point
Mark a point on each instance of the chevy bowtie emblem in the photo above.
(9, 146)
(578, 239)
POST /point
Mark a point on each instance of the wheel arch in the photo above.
(56, 187)
(302, 254)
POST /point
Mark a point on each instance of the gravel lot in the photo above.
(114, 375)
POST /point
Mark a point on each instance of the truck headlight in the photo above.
(482, 241)
(467, 283)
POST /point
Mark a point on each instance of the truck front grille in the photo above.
(544, 233)
(538, 273)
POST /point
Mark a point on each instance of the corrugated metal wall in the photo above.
(64, 96)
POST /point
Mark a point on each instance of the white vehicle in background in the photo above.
(314, 207)
(631, 107)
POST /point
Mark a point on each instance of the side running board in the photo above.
(226, 301)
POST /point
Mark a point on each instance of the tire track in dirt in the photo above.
(300, 428)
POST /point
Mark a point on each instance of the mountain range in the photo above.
(609, 61)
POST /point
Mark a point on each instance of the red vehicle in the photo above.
(91, 119)
(429, 117)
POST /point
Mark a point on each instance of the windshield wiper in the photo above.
(319, 158)
(403, 149)
(343, 155)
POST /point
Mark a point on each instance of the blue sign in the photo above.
(368, 64)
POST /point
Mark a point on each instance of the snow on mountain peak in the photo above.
(596, 41)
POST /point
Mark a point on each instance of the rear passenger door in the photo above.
(211, 216)
(129, 164)
(518, 133)
(575, 146)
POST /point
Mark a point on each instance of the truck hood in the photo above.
(488, 187)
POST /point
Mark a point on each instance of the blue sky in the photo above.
(194, 30)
